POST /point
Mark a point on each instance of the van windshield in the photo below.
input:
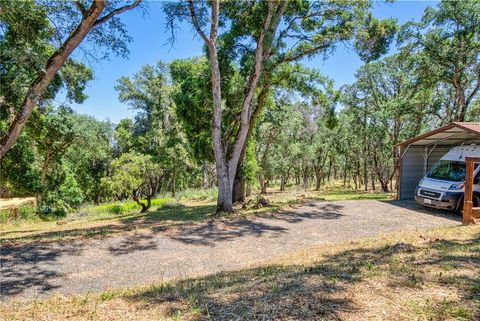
(448, 171)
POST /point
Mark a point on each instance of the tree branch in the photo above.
(116, 12)
(215, 18)
(80, 7)
(193, 15)
(474, 92)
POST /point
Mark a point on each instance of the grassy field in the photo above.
(188, 207)
(423, 275)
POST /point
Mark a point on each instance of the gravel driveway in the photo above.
(135, 258)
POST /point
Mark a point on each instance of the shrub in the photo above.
(28, 212)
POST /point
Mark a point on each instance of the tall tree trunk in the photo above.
(305, 178)
(174, 183)
(204, 175)
(262, 51)
(384, 184)
(224, 199)
(318, 178)
(263, 183)
(43, 177)
(365, 174)
(283, 182)
(330, 169)
(227, 170)
(238, 194)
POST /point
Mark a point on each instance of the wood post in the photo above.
(469, 212)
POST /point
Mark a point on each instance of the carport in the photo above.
(420, 153)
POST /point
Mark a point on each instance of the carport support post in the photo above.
(467, 198)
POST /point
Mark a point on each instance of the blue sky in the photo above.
(149, 45)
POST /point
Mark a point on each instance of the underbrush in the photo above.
(21, 213)
(197, 194)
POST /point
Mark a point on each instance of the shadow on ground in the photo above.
(155, 219)
(20, 268)
(412, 205)
(32, 265)
(225, 230)
(322, 291)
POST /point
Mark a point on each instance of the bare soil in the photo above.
(35, 270)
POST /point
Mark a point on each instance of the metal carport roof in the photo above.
(455, 133)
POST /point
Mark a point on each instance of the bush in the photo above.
(28, 212)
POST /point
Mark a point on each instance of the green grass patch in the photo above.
(197, 194)
(130, 206)
(24, 213)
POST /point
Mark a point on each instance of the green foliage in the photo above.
(250, 166)
(129, 207)
(449, 38)
(69, 193)
(124, 136)
(134, 175)
(156, 130)
(193, 103)
(62, 156)
(19, 171)
(25, 213)
(373, 38)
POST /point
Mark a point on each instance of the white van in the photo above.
(443, 186)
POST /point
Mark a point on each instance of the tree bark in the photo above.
(305, 178)
(43, 176)
(204, 175)
(263, 183)
(238, 194)
(248, 190)
(174, 187)
(144, 206)
(262, 51)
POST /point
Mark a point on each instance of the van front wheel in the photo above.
(475, 200)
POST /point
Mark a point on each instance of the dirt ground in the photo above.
(38, 270)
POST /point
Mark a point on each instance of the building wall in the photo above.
(414, 166)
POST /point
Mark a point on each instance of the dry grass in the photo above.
(6, 203)
(422, 275)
